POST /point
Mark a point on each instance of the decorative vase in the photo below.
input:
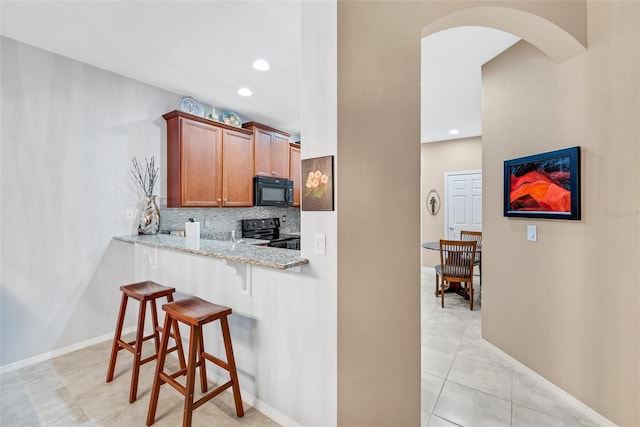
(150, 217)
(214, 115)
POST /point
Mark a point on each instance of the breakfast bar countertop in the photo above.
(246, 252)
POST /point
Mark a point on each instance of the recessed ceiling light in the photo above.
(261, 65)
(454, 132)
(244, 91)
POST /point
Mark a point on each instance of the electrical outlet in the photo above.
(320, 243)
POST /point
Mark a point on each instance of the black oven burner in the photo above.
(269, 229)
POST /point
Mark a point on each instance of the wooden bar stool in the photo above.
(195, 312)
(144, 292)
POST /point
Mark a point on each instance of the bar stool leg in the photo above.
(231, 361)
(118, 335)
(154, 319)
(138, 354)
(177, 338)
(203, 368)
(157, 380)
(194, 340)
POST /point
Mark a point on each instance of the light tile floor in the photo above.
(466, 383)
(70, 391)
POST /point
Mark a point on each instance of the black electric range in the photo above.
(269, 229)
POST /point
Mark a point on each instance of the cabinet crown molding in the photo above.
(265, 127)
(176, 113)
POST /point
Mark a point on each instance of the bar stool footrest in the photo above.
(211, 358)
(169, 379)
(204, 399)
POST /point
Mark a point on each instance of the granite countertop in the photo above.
(247, 250)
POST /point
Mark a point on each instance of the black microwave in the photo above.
(269, 191)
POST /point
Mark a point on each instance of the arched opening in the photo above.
(459, 363)
(554, 41)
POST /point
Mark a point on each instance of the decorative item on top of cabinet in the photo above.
(271, 150)
(213, 115)
(231, 118)
(191, 105)
(209, 164)
(294, 171)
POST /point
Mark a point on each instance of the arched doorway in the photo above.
(453, 361)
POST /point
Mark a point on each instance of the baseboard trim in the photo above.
(265, 409)
(552, 388)
(61, 351)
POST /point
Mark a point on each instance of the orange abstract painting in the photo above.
(544, 185)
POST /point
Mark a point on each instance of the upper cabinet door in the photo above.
(271, 150)
(280, 156)
(294, 173)
(237, 167)
(201, 171)
(262, 140)
(195, 152)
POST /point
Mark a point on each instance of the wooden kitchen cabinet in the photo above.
(209, 164)
(237, 168)
(294, 171)
(271, 150)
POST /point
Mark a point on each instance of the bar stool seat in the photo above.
(195, 312)
(144, 292)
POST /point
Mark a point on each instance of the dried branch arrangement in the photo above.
(145, 177)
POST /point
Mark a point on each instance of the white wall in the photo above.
(318, 132)
(69, 132)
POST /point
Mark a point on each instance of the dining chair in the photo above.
(456, 266)
(476, 236)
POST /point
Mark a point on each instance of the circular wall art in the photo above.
(433, 202)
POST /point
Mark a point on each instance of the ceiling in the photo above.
(451, 79)
(205, 49)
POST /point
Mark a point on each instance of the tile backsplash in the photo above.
(217, 223)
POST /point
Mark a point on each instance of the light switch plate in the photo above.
(320, 243)
(532, 233)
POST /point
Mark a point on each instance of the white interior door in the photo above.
(464, 203)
